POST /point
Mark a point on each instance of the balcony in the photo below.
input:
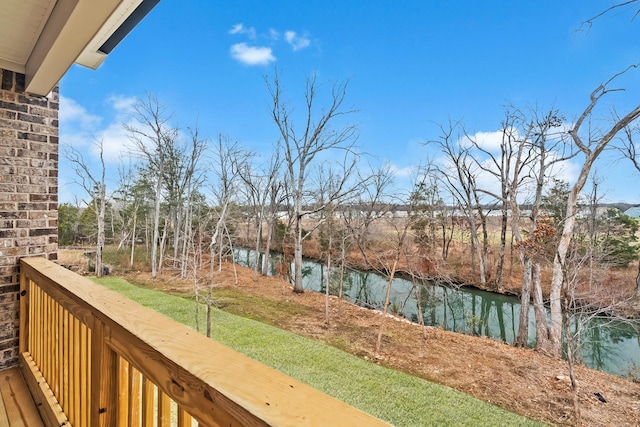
(91, 357)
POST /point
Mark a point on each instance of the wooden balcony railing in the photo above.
(92, 357)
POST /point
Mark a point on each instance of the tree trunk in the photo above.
(522, 339)
(163, 242)
(258, 239)
(133, 237)
(328, 284)
(386, 302)
(209, 315)
(267, 249)
(187, 241)
(485, 247)
(233, 255)
(297, 257)
(557, 280)
(101, 238)
(177, 235)
(475, 243)
(542, 326)
(220, 247)
(156, 228)
(444, 241)
(418, 292)
(571, 354)
(503, 246)
(343, 258)
(472, 241)
(147, 241)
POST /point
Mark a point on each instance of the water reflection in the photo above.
(606, 345)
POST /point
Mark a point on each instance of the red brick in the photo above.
(28, 193)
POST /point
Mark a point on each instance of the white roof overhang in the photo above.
(43, 38)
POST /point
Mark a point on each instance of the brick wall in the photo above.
(28, 194)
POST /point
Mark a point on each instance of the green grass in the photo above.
(275, 313)
(111, 255)
(398, 398)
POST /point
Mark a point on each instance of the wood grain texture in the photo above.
(184, 419)
(148, 403)
(50, 411)
(17, 408)
(103, 375)
(4, 417)
(135, 396)
(213, 383)
(24, 325)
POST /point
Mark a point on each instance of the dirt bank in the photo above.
(519, 380)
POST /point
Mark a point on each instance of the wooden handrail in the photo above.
(133, 364)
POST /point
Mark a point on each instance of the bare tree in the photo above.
(590, 146)
(387, 261)
(189, 178)
(394, 250)
(96, 189)
(302, 144)
(276, 198)
(372, 201)
(501, 167)
(134, 194)
(264, 192)
(430, 214)
(255, 195)
(628, 150)
(229, 161)
(460, 177)
(153, 138)
(582, 313)
(629, 4)
(332, 231)
(525, 143)
(393, 254)
(628, 146)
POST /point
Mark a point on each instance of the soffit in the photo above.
(43, 38)
(21, 23)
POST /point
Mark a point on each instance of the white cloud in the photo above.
(236, 29)
(295, 41)
(405, 172)
(251, 55)
(123, 105)
(77, 125)
(566, 170)
(116, 145)
(241, 29)
(74, 114)
(489, 141)
(83, 131)
(115, 139)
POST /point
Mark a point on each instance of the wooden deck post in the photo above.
(23, 336)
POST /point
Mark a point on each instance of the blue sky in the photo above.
(412, 65)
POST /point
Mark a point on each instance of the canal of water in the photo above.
(611, 346)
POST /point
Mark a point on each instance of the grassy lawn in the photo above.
(400, 399)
